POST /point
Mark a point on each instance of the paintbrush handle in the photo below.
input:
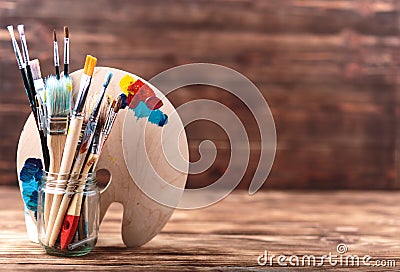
(70, 145)
(56, 145)
(27, 87)
(71, 219)
(66, 69)
(57, 72)
(57, 211)
(59, 219)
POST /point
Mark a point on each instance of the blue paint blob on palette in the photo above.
(141, 111)
(143, 101)
(30, 175)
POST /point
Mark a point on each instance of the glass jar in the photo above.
(68, 213)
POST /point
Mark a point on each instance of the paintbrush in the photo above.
(32, 94)
(58, 208)
(72, 217)
(107, 119)
(66, 50)
(21, 65)
(58, 97)
(40, 93)
(98, 137)
(118, 104)
(56, 55)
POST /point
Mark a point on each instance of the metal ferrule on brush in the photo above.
(23, 43)
(66, 50)
(56, 57)
(41, 109)
(57, 125)
(41, 113)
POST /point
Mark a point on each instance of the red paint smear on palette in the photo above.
(142, 95)
(153, 102)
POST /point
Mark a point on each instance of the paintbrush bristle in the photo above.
(35, 67)
(11, 30)
(21, 29)
(104, 109)
(54, 35)
(107, 79)
(66, 32)
(118, 104)
(92, 100)
(58, 96)
(89, 106)
(90, 64)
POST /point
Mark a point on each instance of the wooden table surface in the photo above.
(229, 235)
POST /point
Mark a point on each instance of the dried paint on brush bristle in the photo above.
(104, 109)
(35, 67)
(21, 29)
(67, 81)
(90, 64)
(89, 105)
(58, 96)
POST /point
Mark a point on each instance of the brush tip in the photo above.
(54, 35)
(21, 29)
(107, 79)
(90, 64)
(35, 67)
(123, 98)
(11, 30)
(66, 31)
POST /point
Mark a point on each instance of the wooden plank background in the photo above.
(328, 70)
(230, 235)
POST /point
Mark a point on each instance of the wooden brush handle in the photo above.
(56, 145)
(56, 212)
(70, 146)
(76, 203)
(59, 219)
(57, 198)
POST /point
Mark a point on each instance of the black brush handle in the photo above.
(66, 69)
(26, 85)
(57, 72)
(31, 92)
(45, 150)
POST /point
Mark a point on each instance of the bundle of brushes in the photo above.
(72, 134)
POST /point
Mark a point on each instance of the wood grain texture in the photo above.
(228, 236)
(328, 70)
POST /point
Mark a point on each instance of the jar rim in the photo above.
(57, 178)
(82, 175)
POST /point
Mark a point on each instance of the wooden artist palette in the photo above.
(130, 141)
